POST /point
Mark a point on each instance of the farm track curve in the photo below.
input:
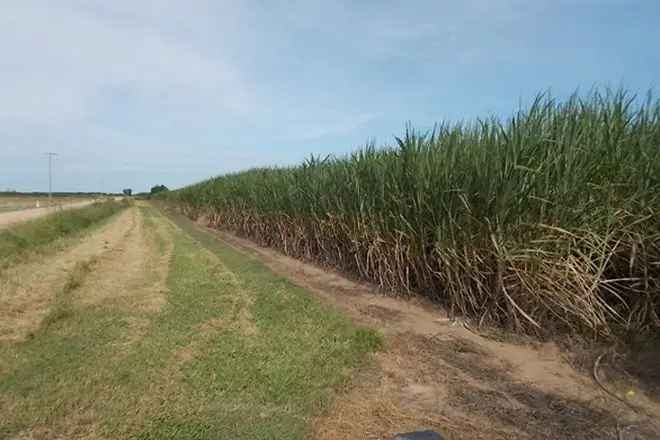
(12, 217)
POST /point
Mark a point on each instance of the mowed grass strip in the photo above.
(236, 352)
(22, 238)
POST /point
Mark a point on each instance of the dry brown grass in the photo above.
(142, 265)
(27, 290)
(452, 386)
(8, 203)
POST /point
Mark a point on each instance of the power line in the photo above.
(50, 177)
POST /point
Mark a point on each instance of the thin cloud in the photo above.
(57, 60)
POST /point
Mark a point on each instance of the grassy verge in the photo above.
(28, 236)
(237, 352)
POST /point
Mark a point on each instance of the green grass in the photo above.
(22, 238)
(236, 352)
(546, 222)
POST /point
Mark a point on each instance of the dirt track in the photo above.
(441, 373)
(12, 217)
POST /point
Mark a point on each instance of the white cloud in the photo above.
(56, 61)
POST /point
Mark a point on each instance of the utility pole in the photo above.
(50, 177)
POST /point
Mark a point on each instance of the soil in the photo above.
(440, 373)
(12, 217)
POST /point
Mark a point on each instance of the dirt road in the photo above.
(12, 217)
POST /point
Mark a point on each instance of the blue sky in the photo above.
(138, 93)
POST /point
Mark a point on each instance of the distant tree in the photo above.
(158, 188)
(127, 192)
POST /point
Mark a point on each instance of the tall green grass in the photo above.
(546, 222)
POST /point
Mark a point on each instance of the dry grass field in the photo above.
(21, 202)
